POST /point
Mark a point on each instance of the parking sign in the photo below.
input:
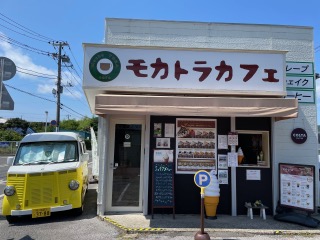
(202, 178)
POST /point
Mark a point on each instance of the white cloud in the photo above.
(45, 88)
(44, 85)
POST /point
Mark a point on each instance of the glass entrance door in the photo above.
(126, 168)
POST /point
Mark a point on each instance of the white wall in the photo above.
(298, 41)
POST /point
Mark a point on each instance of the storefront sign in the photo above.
(195, 145)
(299, 135)
(299, 68)
(303, 96)
(303, 82)
(297, 186)
(184, 70)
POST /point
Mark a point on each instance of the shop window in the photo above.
(255, 147)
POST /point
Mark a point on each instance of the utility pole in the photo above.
(59, 87)
(45, 129)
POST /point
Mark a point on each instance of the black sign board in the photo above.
(299, 135)
(163, 186)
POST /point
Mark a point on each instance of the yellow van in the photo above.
(48, 174)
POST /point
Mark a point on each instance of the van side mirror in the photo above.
(10, 160)
(85, 157)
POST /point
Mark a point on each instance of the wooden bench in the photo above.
(262, 208)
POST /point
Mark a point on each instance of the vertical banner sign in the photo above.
(163, 183)
(297, 186)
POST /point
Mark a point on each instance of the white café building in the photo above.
(191, 94)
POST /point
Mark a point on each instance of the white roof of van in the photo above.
(50, 136)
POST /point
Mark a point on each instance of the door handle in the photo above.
(114, 165)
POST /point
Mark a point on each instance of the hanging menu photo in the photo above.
(195, 145)
(297, 186)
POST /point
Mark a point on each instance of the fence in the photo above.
(8, 148)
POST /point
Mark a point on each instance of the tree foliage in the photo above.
(17, 123)
(6, 134)
(9, 135)
(86, 123)
(69, 125)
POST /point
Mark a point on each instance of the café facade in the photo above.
(176, 97)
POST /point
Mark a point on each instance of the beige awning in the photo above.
(196, 106)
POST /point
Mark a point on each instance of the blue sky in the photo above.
(80, 22)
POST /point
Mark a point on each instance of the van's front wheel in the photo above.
(78, 211)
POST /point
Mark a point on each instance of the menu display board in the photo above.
(163, 180)
(163, 194)
(195, 145)
(297, 186)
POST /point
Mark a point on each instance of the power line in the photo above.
(36, 75)
(23, 28)
(23, 34)
(75, 61)
(36, 72)
(49, 100)
(73, 110)
(24, 46)
(72, 74)
(31, 94)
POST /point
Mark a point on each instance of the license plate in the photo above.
(41, 212)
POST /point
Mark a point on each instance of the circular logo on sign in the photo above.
(127, 136)
(104, 66)
(299, 135)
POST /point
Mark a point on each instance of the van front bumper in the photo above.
(52, 209)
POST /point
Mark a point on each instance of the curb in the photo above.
(132, 230)
(275, 231)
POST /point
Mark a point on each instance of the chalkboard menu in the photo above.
(163, 186)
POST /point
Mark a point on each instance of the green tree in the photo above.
(86, 123)
(17, 123)
(37, 126)
(9, 135)
(69, 124)
(94, 123)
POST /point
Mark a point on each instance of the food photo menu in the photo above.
(297, 186)
(196, 145)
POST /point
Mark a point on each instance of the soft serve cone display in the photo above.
(240, 156)
(211, 197)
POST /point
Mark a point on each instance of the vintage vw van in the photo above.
(48, 174)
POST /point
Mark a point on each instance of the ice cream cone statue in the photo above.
(211, 197)
(240, 156)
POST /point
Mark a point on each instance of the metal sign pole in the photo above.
(1, 80)
(202, 210)
(202, 180)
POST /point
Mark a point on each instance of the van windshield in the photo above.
(46, 153)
